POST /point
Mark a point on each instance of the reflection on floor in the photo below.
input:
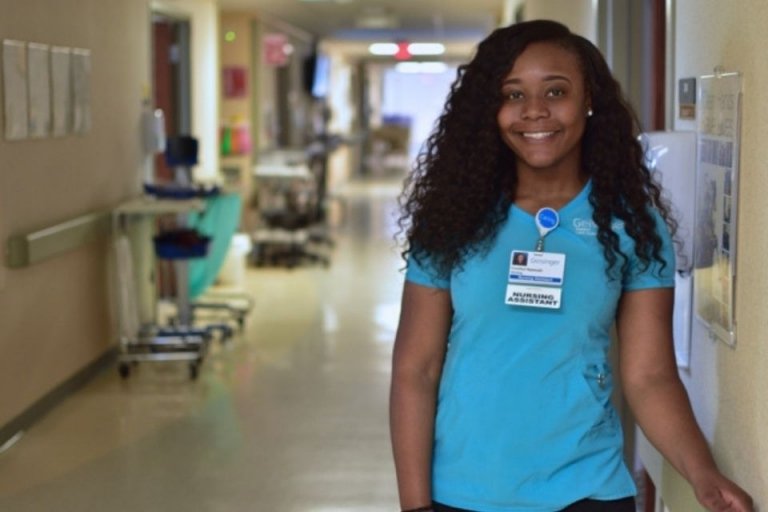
(292, 416)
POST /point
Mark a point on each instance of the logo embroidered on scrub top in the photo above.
(587, 227)
(584, 227)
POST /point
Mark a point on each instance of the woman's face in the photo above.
(544, 112)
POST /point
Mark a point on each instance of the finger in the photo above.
(732, 504)
(714, 501)
(739, 500)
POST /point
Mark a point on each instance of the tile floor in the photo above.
(290, 417)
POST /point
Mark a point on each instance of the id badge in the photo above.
(535, 279)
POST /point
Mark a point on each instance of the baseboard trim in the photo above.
(54, 397)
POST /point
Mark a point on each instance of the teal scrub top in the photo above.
(524, 417)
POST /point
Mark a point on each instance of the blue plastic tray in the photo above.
(176, 192)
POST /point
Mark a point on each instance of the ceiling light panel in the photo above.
(383, 49)
(426, 49)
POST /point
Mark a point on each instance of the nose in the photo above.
(534, 108)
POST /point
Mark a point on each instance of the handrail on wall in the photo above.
(26, 249)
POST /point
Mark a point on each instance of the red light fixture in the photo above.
(402, 51)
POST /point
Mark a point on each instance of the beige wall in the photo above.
(240, 53)
(237, 53)
(55, 316)
(728, 387)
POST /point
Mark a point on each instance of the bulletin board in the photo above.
(717, 171)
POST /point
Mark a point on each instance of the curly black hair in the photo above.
(462, 184)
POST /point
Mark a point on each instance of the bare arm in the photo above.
(417, 364)
(659, 401)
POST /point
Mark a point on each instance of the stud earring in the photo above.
(589, 113)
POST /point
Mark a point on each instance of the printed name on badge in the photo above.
(540, 268)
(535, 279)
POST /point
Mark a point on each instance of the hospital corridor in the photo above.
(202, 269)
(290, 415)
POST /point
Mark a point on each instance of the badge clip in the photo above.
(547, 220)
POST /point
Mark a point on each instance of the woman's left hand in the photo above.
(658, 398)
(718, 494)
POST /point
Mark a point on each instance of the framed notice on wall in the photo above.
(717, 171)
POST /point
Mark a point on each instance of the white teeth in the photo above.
(537, 135)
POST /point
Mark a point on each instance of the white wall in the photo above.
(729, 387)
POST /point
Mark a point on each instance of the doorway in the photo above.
(171, 80)
(171, 93)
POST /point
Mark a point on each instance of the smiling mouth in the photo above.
(537, 135)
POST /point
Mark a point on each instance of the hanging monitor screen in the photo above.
(317, 75)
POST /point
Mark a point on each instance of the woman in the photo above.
(501, 384)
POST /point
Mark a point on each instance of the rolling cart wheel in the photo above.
(125, 370)
(193, 370)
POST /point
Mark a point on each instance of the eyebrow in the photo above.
(548, 78)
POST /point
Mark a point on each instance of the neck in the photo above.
(537, 189)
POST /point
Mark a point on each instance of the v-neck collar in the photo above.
(571, 204)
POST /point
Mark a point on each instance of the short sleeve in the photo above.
(421, 271)
(655, 275)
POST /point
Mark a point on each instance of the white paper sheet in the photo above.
(61, 91)
(15, 89)
(39, 82)
(81, 90)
